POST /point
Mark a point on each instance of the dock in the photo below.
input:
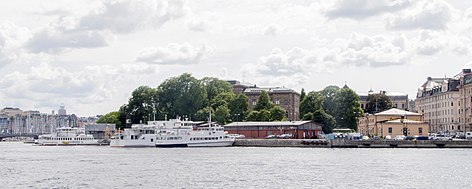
(321, 143)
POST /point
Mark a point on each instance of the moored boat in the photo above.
(67, 136)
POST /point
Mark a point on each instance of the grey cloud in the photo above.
(361, 9)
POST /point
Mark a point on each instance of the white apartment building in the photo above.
(438, 99)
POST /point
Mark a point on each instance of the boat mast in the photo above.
(209, 124)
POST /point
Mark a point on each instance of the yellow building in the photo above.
(393, 122)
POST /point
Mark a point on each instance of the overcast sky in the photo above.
(90, 55)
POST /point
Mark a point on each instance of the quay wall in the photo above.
(321, 143)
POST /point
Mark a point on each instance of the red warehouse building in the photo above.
(297, 129)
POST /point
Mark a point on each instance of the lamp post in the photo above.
(237, 123)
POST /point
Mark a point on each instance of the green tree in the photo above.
(302, 95)
(347, 109)
(277, 113)
(263, 102)
(222, 114)
(253, 115)
(182, 95)
(378, 103)
(238, 105)
(141, 105)
(204, 113)
(214, 87)
(312, 102)
(328, 122)
(329, 93)
(112, 117)
(264, 115)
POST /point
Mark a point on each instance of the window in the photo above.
(277, 101)
(420, 130)
(390, 130)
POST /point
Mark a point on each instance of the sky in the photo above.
(91, 54)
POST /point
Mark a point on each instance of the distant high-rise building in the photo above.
(62, 110)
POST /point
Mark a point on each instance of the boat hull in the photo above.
(197, 144)
(131, 143)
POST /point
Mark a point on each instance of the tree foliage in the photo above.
(263, 102)
(182, 95)
(312, 102)
(329, 93)
(378, 103)
(214, 87)
(112, 117)
(140, 107)
(347, 108)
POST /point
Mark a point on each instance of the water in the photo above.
(27, 166)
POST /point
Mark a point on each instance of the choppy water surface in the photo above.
(27, 166)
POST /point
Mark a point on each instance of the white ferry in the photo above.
(67, 136)
(140, 135)
(180, 135)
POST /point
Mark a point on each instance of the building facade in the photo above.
(439, 101)
(393, 122)
(297, 129)
(17, 121)
(465, 101)
(286, 98)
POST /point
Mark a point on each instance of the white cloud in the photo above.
(127, 16)
(426, 14)
(11, 39)
(272, 30)
(376, 51)
(361, 9)
(98, 27)
(175, 54)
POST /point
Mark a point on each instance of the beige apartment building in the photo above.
(465, 101)
(393, 122)
(439, 101)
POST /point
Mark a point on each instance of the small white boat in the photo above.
(67, 136)
(140, 135)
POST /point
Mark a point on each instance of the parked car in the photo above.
(286, 135)
(399, 137)
(409, 138)
(270, 136)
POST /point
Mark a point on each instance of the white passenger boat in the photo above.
(67, 136)
(139, 135)
(180, 135)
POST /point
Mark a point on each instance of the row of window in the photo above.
(420, 130)
(276, 101)
(206, 138)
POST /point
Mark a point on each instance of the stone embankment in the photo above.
(321, 143)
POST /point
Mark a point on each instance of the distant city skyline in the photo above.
(90, 55)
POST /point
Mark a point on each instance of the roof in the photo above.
(260, 123)
(404, 121)
(269, 90)
(395, 111)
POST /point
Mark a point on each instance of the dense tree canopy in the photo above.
(182, 95)
(112, 117)
(312, 102)
(329, 93)
(141, 105)
(347, 108)
(378, 103)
